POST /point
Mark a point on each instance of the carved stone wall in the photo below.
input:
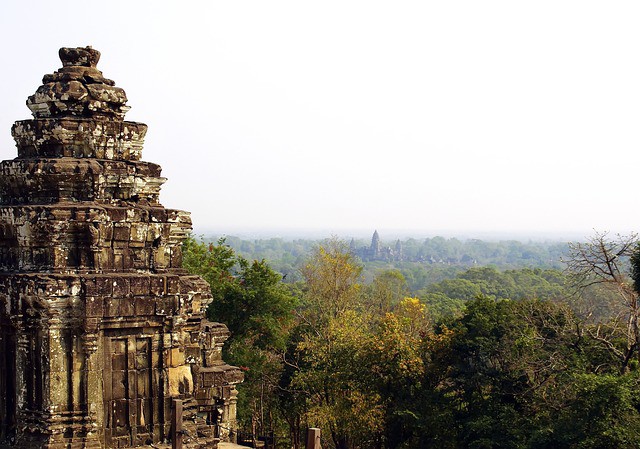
(100, 326)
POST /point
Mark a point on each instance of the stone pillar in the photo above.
(313, 438)
(92, 398)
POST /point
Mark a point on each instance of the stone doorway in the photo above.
(7, 383)
(131, 396)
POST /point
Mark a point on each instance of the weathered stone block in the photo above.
(176, 357)
(112, 307)
(121, 232)
(167, 305)
(140, 285)
(94, 306)
(173, 284)
(157, 285)
(104, 286)
(180, 381)
(127, 307)
(145, 305)
(121, 287)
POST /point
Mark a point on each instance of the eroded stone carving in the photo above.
(99, 324)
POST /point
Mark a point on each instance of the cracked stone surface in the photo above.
(100, 325)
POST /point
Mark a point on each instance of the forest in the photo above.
(501, 353)
(423, 261)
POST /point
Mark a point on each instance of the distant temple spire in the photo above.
(398, 250)
(375, 244)
(377, 251)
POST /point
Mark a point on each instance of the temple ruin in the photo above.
(100, 326)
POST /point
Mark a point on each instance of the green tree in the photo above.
(602, 413)
(500, 373)
(386, 291)
(396, 367)
(332, 282)
(330, 354)
(250, 298)
(441, 307)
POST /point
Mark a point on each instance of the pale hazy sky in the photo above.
(489, 116)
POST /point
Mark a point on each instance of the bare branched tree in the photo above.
(602, 264)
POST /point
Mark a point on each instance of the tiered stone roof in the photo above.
(100, 324)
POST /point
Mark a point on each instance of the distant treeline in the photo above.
(423, 262)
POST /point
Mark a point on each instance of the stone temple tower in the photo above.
(100, 327)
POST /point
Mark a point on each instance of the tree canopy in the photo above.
(481, 358)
